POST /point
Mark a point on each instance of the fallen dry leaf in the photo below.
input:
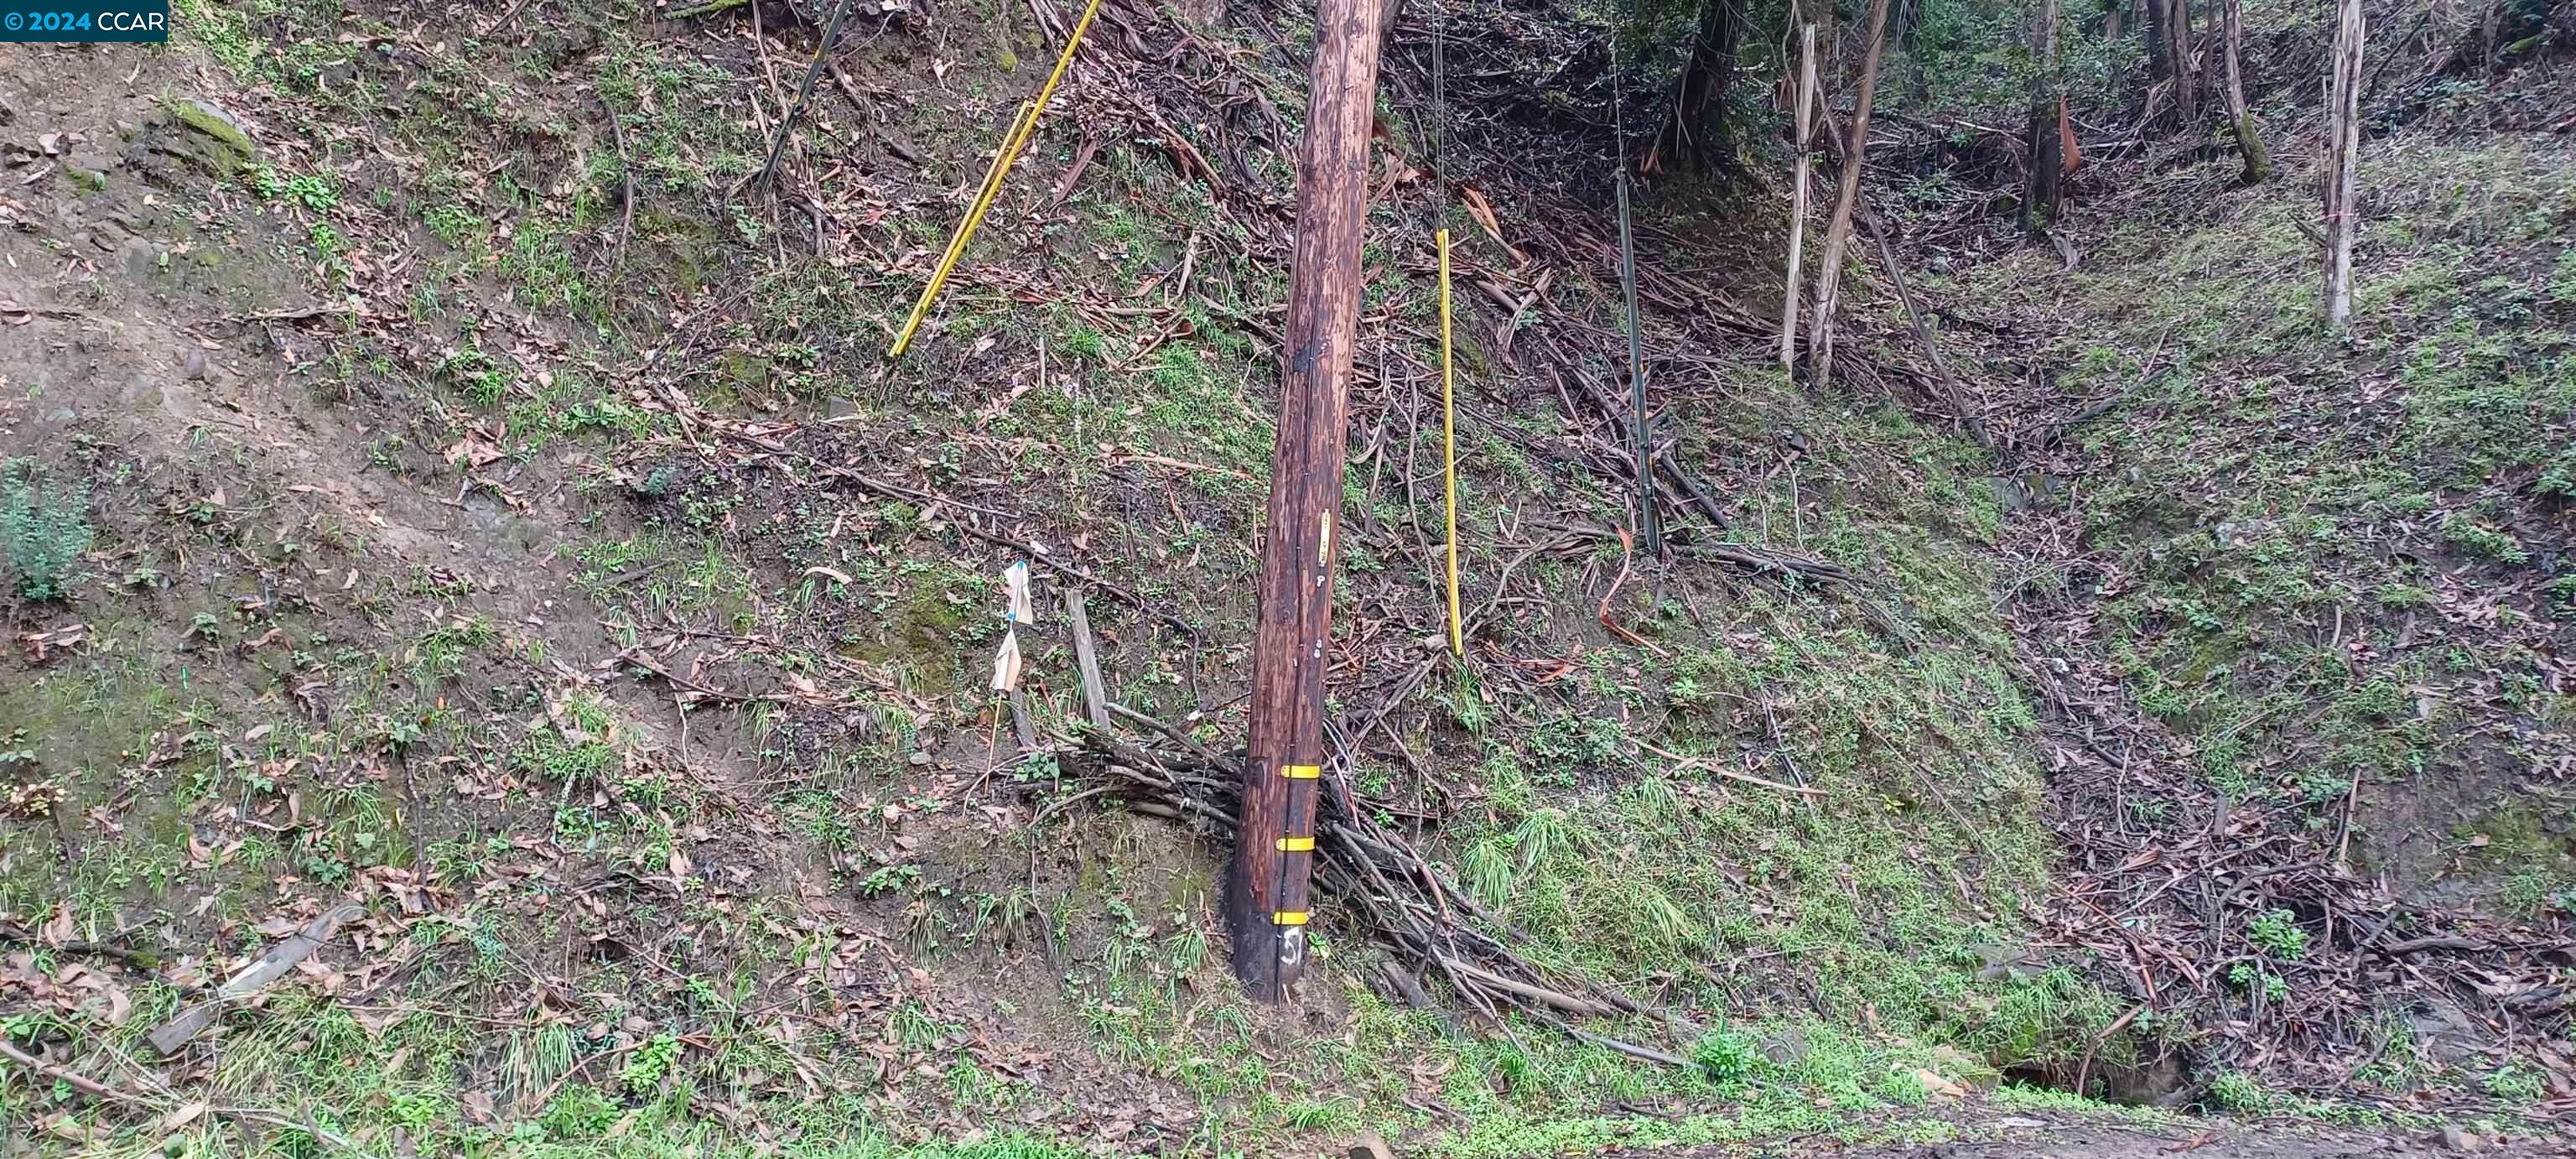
(1935, 1084)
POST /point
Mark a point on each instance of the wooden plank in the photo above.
(1086, 656)
(253, 978)
(1267, 894)
(1024, 726)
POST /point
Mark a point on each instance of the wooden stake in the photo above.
(1267, 891)
(2343, 140)
(1086, 656)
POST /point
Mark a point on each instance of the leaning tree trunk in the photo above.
(2041, 159)
(2258, 160)
(2343, 141)
(1829, 266)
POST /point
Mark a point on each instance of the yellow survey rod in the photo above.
(965, 231)
(1023, 127)
(1449, 447)
(984, 194)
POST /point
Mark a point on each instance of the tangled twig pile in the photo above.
(1382, 882)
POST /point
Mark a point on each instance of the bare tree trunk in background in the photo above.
(2177, 48)
(1829, 268)
(1806, 121)
(1820, 15)
(2042, 158)
(2258, 160)
(2494, 26)
(2343, 141)
(1909, 16)
(2159, 61)
(1696, 132)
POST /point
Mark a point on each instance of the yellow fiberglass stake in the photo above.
(984, 193)
(1022, 128)
(1449, 447)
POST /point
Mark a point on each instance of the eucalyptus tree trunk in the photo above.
(1820, 330)
(2249, 143)
(1806, 123)
(2177, 50)
(2042, 158)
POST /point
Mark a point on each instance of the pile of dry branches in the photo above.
(2170, 909)
(1379, 880)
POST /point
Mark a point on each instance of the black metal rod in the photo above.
(1647, 524)
(787, 117)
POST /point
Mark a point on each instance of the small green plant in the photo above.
(658, 482)
(1726, 1056)
(453, 223)
(2515, 1082)
(2559, 478)
(312, 191)
(888, 879)
(2277, 933)
(652, 1061)
(45, 525)
(2247, 976)
(2478, 539)
(2238, 1091)
(2404, 596)
(2322, 787)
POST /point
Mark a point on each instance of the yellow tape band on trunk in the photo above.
(1289, 917)
(1296, 845)
(1301, 772)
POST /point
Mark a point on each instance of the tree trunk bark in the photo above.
(2178, 48)
(2159, 60)
(1692, 136)
(2249, 143)
(2493, 26)
(2042, 158)
(1267, 891)
(1820, 14)
(2343, 141)
(1806, 121)
(1820, 330)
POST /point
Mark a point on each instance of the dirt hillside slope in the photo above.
(452, 512)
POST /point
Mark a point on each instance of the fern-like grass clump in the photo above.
(44, 525)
